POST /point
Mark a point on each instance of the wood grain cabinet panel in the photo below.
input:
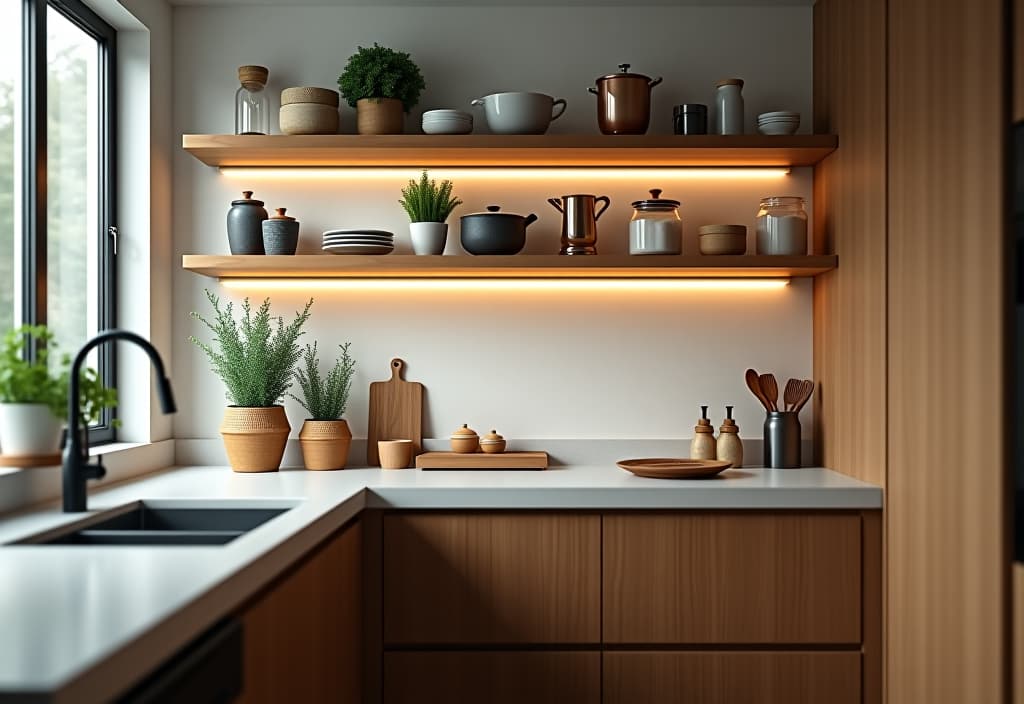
(492, 677)
(741, 578)
(499, 578)
(731, 678)
(303, 636)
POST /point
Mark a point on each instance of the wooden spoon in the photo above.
(770, 388)
(791, 395)
(754, 384)
(806, 391)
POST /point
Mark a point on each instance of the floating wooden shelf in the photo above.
(521, 266)
(509, 150)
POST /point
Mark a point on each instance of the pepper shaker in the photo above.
(703, 445)
(730, 447)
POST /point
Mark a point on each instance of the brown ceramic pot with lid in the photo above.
(465, 440)
(492, 443)
(624, 101)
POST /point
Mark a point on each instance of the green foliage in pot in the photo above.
(379, 72)
(325, 398)
(253, 357)
(425, 201)
(46, 378)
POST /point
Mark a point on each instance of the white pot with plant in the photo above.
(428, 206)
(325, 437)
(34, 394)
(255, 358)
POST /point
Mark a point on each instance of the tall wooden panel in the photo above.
(850, 220)
(1018, 634)
(1018, 60)
(947, 568)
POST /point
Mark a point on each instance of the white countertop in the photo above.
(82, 623)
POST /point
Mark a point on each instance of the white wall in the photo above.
(540, 364)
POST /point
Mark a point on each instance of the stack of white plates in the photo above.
(358, 242)
(447, 122)
(781, 122)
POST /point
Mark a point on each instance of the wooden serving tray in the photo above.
(30, 460)
(481, 460)
(671, 468)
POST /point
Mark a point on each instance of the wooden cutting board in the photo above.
(396, 412)
(481, 460)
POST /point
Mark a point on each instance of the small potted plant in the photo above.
(325, 437)
(381, 84)
(255, 358)
(428, 206)
(34, 394)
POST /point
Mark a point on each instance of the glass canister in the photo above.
(252, 109)
(655, 227)
(782, 226)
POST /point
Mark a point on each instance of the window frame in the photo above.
(34, 178)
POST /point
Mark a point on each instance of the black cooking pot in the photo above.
(493, 232)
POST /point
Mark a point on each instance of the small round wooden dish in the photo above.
(25, 461)
(668, 468)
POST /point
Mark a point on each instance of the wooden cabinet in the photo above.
(733, 677)
(502, 578)
(492, 677)
(303, 635)
(737, 578)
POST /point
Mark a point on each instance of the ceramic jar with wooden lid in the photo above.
(309, 110)
(492, 443)
(465, 440)
(280, 233)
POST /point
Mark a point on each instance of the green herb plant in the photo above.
(254, 358)
(425, 201)
(325, 398)
(379, 72)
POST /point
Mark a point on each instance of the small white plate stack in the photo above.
(358, 242)
(781, 122)
(447, 122)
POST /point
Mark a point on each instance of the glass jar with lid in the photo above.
(655, 227)
(252, 109)
(782, 226)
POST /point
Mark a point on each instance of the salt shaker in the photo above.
(730, 447)
(729, 101)
(703, 445)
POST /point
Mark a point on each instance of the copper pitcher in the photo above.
(579, 222)
(624, 101)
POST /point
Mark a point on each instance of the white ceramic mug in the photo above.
(520, 113)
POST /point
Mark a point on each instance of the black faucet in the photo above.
(77, 470)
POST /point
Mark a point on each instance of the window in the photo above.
(57, 229)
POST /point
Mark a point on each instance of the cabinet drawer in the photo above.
(732, 678)
(499, 578)
(492, 677)
(732, 578)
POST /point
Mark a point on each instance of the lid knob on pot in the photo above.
(247, 195)
(655, 193)
(624, 68)
(493, 208)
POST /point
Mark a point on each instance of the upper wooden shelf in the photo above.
(520, 266)
(509, 150)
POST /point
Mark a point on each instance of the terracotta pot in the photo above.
(255, 438)
(379, 116)
(325, 443)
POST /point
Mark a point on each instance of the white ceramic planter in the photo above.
(428, 237)
(29, 429)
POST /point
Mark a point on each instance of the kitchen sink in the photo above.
(151, 523)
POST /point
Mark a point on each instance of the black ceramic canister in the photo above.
(245, 225)
(690, 118)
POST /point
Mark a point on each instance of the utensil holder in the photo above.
(782, 439)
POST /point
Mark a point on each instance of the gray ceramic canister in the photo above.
(280, 233)
(245, 225)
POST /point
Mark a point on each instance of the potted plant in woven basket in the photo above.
(381, 84)
(325, 438)
(428, 206)
(255, 358)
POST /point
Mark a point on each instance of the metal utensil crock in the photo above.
(782, 439)
(579, 222)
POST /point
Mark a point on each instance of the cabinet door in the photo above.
(501, 578)
(303, 636)
(732, 578)
(492, 677)
(731, 678)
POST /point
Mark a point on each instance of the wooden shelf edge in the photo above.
(523, 266)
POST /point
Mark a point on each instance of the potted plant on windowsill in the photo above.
(255, 359)
(34, 394)
(325, 437)
(381, 84)
(428, 206)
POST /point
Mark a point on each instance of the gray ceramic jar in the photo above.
(245, 225)
(280, 233)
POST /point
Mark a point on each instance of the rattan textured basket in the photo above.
(255, 438)
(325, 444)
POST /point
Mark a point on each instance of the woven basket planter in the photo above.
(255, 438)
(325, 443)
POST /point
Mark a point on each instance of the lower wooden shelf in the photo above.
(521, 266)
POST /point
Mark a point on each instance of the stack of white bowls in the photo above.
(781, 122)
(447, 122)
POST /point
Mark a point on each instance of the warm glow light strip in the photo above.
(517, 285)
(509, 173)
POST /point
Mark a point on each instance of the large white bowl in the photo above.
(520, 113)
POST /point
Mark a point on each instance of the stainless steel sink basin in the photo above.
(152, 523)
